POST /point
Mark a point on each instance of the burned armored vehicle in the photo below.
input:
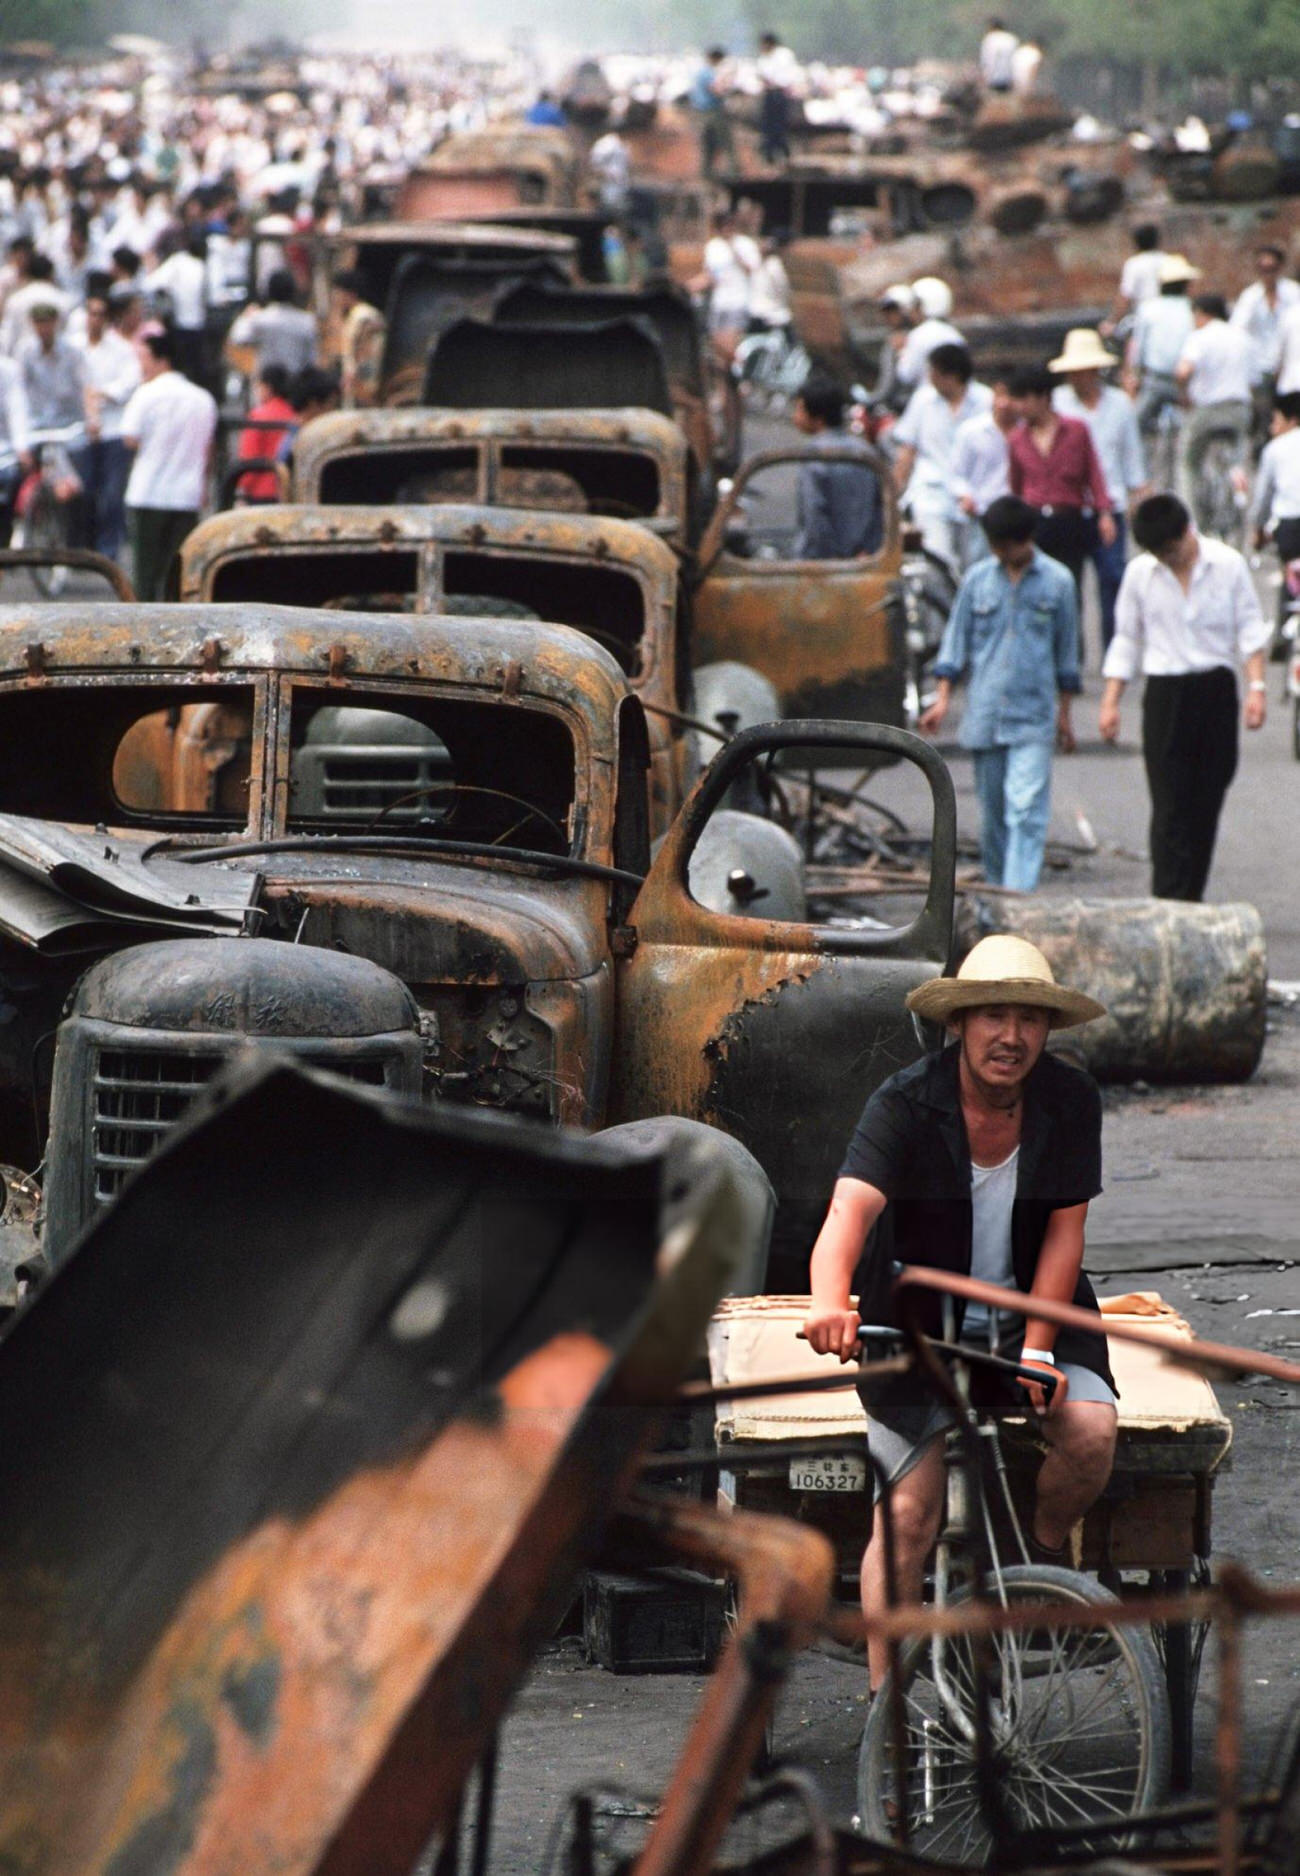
(192, 860)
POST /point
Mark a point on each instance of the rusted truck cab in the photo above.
(613, 581)
(624, 464)
(538, 962)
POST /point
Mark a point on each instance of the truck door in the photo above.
(828, 633)
(776, 1032)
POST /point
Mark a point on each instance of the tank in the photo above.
(1185, 986)
(147, 1028)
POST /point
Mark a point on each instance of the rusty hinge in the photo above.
(35, 655)
(512, 678)
(623, 940)
(338, 663)
(210, 656)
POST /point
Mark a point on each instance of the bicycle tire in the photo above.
(1036, 1787)
(45, 526)
(1295, 728)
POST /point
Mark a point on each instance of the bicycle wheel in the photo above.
(45, 526)
(1220, 511)
(1080, 1721)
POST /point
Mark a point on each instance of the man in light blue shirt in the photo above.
(1014, 636)
(923, 441)
(1161, 328)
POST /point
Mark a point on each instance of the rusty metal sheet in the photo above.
(616, 365)
(828, 634)
(319, 1421)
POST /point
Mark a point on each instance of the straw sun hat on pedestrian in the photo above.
(1083, 351)
(1003, 969)
(1177, 267)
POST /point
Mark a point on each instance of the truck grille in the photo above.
(139, 1094)
(346, 785)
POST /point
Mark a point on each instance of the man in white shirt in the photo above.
(1139, 279)
(1187, 616)
(933, 299)
(997, 56)
(1288, 348)
(1112, 421)
(16, 459)
(925, 436)
(112, 376)
(1259, 311)
(778, 73)
(1214, 372)
(981, 465)
(169, 424)
(731, 259)
(183, 279)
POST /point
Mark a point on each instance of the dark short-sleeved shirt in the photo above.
(911, 1145)
(841, 509)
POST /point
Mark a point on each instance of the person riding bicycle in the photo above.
(982, 1160)
(1275, 502)
(1214, 371)
(1161, 328)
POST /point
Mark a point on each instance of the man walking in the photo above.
(708, 97)
(1187, 615)
(778, 74)
(1258, 312)
(1112, 424)
(1161, 328)
(169, 424)
(924, 439)
(980, 1160)
(1014, 632)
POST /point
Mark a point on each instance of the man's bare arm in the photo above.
(832, 1323)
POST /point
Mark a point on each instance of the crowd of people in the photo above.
(1020, 484)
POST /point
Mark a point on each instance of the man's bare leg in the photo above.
(917, 1509)
(1080, 1452)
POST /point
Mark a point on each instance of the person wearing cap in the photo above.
(1161, 328)
(1013, 633)
(1187, 616)
(1112, 424)
(981, 1159)
(933, 299)
(898, 311)
(1214, 375)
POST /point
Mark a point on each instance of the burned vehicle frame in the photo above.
(613, 581)
(495, 894)
(627, 464)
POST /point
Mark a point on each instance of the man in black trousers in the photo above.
(1186, 617)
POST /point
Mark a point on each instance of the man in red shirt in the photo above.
(255, 445)
(1055, 468)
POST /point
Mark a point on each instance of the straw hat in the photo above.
(1083, 351)
(1176, 267)
(1003, 969)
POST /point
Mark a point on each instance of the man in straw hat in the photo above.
(980, 1159)
(1112, 422)
(1161, 328)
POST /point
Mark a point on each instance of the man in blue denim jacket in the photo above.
(1014, 635)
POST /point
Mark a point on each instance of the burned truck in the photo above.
(487, 929)
(828, 635)
(611, 580)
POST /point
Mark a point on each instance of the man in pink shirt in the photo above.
(1055, 468)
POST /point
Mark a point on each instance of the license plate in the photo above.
(838, 1473)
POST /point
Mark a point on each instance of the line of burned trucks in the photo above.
(381, 790)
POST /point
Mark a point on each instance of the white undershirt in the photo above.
(993, 1193)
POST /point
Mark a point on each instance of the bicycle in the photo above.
(45, 509)
(1075, 1722)
(929, 587)
(770, 368)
